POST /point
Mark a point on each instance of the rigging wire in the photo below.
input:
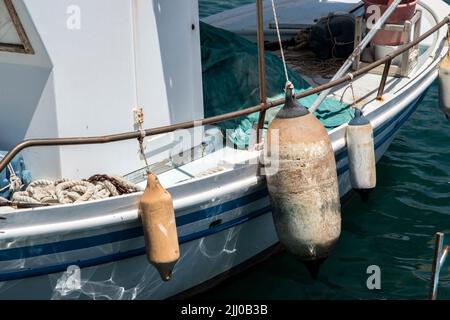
(274, 10)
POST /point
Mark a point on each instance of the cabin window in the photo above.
(13, 37)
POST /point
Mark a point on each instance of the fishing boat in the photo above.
(82, 95)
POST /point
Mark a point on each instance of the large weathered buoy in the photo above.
(444, 86)
(160, 230)
(361, 155)
(304, 190)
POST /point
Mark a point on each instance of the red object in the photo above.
(404, 11)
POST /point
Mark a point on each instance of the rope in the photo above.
(306, 63)
(279, 41)
(15, 183)
(350, 85)
(140, 122)
(64, 191)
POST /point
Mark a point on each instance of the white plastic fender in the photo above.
(361, 155)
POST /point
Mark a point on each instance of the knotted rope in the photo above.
(15, 183)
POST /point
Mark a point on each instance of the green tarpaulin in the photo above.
(230, 83)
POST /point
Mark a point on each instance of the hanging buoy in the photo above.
(304, 190)
(444, 86)
(160, 230)
(361, 155)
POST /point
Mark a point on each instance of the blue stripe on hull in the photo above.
(69, 245)
(89, 242)
(25, 273)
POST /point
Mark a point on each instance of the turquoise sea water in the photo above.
(394, 230)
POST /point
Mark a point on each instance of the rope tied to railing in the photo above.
(139, 121)
(15, 183)
(274, 10)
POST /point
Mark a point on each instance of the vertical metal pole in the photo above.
(436, 265)
(387, 67)
(261, 66)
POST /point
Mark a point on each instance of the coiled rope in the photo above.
(65, 191)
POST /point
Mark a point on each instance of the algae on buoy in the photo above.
(304, 190)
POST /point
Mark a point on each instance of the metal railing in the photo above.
(262, 107)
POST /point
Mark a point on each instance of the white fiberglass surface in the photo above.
(220, 161)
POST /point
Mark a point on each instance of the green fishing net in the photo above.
(230, 83)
